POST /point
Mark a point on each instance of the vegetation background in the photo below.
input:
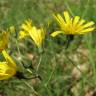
(63, 72)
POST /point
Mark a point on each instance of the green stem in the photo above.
(19, 55)
(51, 74)
(33, 90)
(39, 63)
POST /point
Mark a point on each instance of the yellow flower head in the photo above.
(12, 29)
(72, 26)
(7, 67)
(36, 34)
(3, 40)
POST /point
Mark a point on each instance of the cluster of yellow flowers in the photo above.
(28, 29)
(8, 66)
(68, 25)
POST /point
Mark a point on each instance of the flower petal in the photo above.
(60, 19)
(4, 76)
(4, 38)
(3, 67)
(76, 20)
(27, 25)
(56, 19)
(35, 35)
(23, 34)
(56, 33)
(81, 22)
(67, 16)
(88, 24)
(9, 60)
(87, 30)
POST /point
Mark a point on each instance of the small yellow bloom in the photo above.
(12, 29)
(37, 35)
(72, 25)
(3, 40)
(7, 67)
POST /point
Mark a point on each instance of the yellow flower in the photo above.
(12, 29)
(36, 34)
(3, 40)
(7, 67)
(72, 25)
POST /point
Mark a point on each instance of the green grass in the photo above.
(56, 64)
